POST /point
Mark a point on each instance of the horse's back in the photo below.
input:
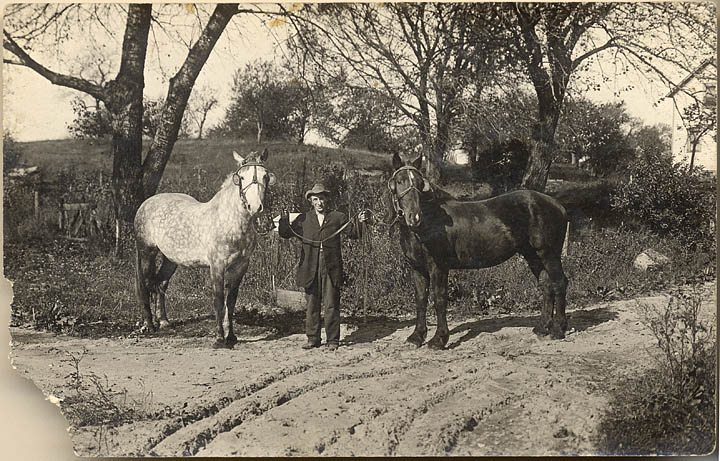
(485, 232)
(173, 223)
(545, 218)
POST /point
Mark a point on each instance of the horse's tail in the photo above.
(142, 291)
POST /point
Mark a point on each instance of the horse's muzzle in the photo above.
(413, 220)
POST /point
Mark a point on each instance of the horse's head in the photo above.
(253, 178)
(406, 184)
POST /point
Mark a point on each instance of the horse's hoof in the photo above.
(557, 333)
(415, 340)
(230, 341)
(164, 324)
(540, 331)
(437, 344)
(221, 344)
(147, 328)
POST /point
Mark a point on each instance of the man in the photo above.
(320, 272)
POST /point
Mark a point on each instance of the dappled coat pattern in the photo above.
(174, 229)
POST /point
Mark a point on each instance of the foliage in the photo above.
(651, 143)
(12, 152)
(489, 118)
(202, 101)
(69, 30)
(94, 122)
(670, 409)
(422, 74)
(91, 121)
(267, 103)
(501, 166)
(594, 132)
(670, 200)
(356, 117)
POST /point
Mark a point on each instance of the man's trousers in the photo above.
(322, 293)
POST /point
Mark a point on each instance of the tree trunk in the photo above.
(259, 131)
(124, 101)
(202, 124)
(181, 85)
(542, 147)
(692, 154)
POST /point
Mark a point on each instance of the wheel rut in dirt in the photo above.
(499, 390)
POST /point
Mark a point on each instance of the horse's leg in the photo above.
(558, 284)
(421, 280)
(217, 277)
(233, 277)
(439, 288)
(167, 269)
(538, 269)
(145, 282)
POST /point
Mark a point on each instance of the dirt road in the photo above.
(496, 390)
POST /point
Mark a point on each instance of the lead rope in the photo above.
(320, 242)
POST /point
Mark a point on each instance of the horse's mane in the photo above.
(437, 195)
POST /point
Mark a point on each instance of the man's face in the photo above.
(318, 202)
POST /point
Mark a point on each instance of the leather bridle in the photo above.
(398, 196)
(237, 180)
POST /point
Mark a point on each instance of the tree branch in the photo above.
(55, 78)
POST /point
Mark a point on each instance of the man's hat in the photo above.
(318, 188)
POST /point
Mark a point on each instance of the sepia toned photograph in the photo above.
(363, 229)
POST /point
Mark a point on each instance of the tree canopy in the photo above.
(429, 58)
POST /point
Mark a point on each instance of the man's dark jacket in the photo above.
(306, 224)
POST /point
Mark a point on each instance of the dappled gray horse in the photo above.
(439, 233)
(179, 230)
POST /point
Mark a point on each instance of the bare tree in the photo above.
(419, 54)
(429, 57)
(556, 40)
(202, 101)
(133, 179)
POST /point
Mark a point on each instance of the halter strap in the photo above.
(237, 180)
(397, 196)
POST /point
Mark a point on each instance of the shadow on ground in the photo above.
(579, 320)
(374, 328)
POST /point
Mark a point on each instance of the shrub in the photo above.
(11, 153)
(669, 410)
(502, 165)
(669, 200)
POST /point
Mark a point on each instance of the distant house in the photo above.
(458, 156)
(700, 85)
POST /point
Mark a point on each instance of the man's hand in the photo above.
(365, 216)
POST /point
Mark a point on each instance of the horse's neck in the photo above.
(228, 200)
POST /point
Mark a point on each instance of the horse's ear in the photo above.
(396, 161)
(427, 187)
(264, 155)
(238, 158)
(417, 163)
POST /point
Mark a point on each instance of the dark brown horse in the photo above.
(439, 233)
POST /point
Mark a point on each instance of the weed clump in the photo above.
(670, 409)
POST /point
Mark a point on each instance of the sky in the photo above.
(34, 109)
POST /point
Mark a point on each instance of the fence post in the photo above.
(566, 243)
(36, 200)
(117, 237)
